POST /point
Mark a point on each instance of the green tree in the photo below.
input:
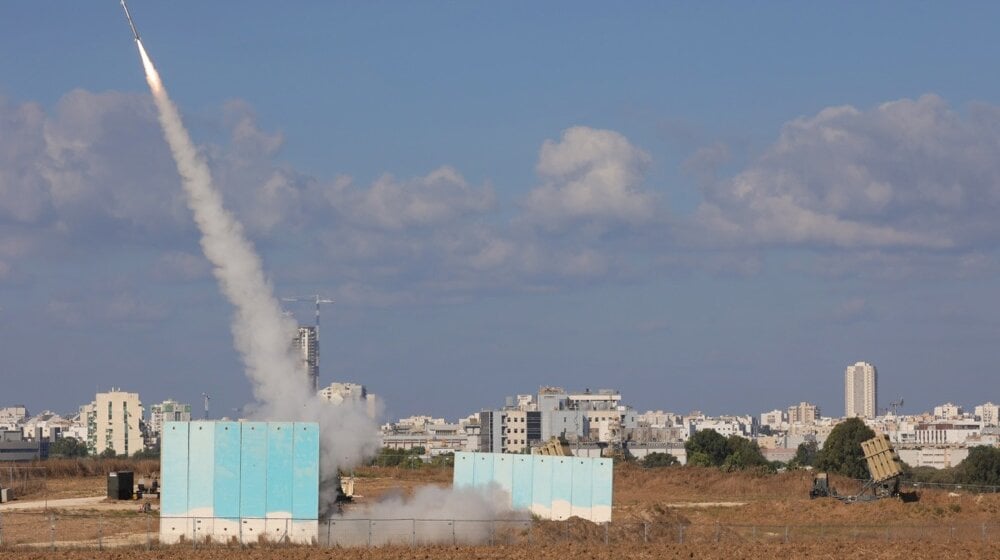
(805, 454)
(982, 466)
(67, 447)
(108, 453)
(149, 453)
(710, 444)
(743, 454)
(659, 460)
(842, 452)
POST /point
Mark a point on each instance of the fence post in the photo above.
(493, 529)
(645, 532)
(680, 533)
(606, 533)
(369, 533)
(753, 533)
(786, 534)
(717, 528)
(984, 533)
(52, 531)
(413, 532)
(1, 529)
(100, 532)
(453, 541)
(329, 531)
(149, 521)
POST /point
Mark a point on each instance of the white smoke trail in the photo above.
(263, 336)
(262, 333)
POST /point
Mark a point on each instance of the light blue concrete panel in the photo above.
(603, 484)
(582, 487)
(521, 490)
(253, 469)
(305, 480)
(541, 485)
(174, 469)
(562, 487)
(503, 471)
(463, 475)
(483, 474)
(279, 469)
(226, 490)
(201, 469)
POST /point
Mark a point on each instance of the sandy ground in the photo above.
(724, 515)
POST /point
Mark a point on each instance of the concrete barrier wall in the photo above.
(551, 487)
(239, 481)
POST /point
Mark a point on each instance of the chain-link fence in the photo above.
(23, 480)
(60, 530)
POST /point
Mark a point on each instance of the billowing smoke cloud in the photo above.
(261, 331)
(445, 514)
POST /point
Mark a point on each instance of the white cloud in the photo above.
(437, 198)
(590, 175)
(908, 173)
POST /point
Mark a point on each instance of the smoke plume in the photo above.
(263, 336)
(262, 333)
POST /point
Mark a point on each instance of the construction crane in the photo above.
(895, 406)
(316, 299)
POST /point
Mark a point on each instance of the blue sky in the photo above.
(709, 206)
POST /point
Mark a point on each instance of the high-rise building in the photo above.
(306, 348)
(113, 422)
(861, 391)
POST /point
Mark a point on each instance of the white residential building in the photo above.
(337, 393)
(113, 422)
(803, 413)
(167, 411)
(775, 419)
(861, 391)
(11, 417)
(948, 411)
(988, 414)
(48, 425)
(658, 419)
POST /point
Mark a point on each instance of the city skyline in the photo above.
(667, 197)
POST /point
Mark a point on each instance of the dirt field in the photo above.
(715, 514)
(882, 551)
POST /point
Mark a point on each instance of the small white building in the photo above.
(48, 425)
(775, 419)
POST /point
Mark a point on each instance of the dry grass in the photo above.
(85, 467)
